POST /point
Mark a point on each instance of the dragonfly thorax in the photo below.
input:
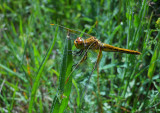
(89, 43)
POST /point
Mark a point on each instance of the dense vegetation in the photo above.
(35, 57)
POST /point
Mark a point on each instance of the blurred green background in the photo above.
(30, 68)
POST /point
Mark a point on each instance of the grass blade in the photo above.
(68, 86)
(64, 89)
(153, 60)
(21, 76)
(38, 76)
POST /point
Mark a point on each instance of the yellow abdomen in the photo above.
(109, 48)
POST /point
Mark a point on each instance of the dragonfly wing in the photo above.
(84, 66)
(72, 31)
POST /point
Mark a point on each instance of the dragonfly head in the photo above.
(79, 43)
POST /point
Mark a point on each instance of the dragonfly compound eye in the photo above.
(79, 43)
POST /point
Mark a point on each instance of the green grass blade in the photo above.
(63, 68)
(13, 73)
(14, 95)
(56, 104)
(68, 85)
(153, 60)
(64, 89)
(37, 78)
(78, 94)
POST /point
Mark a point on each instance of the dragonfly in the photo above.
(92, 43)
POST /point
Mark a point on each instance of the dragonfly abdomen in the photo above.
(109, 48)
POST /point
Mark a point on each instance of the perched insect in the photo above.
(92, 43)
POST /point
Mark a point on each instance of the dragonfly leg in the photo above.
(83, 59)
(98, 60)
(79, 53)
(99, 57)
(98, 84)
(76, 53)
